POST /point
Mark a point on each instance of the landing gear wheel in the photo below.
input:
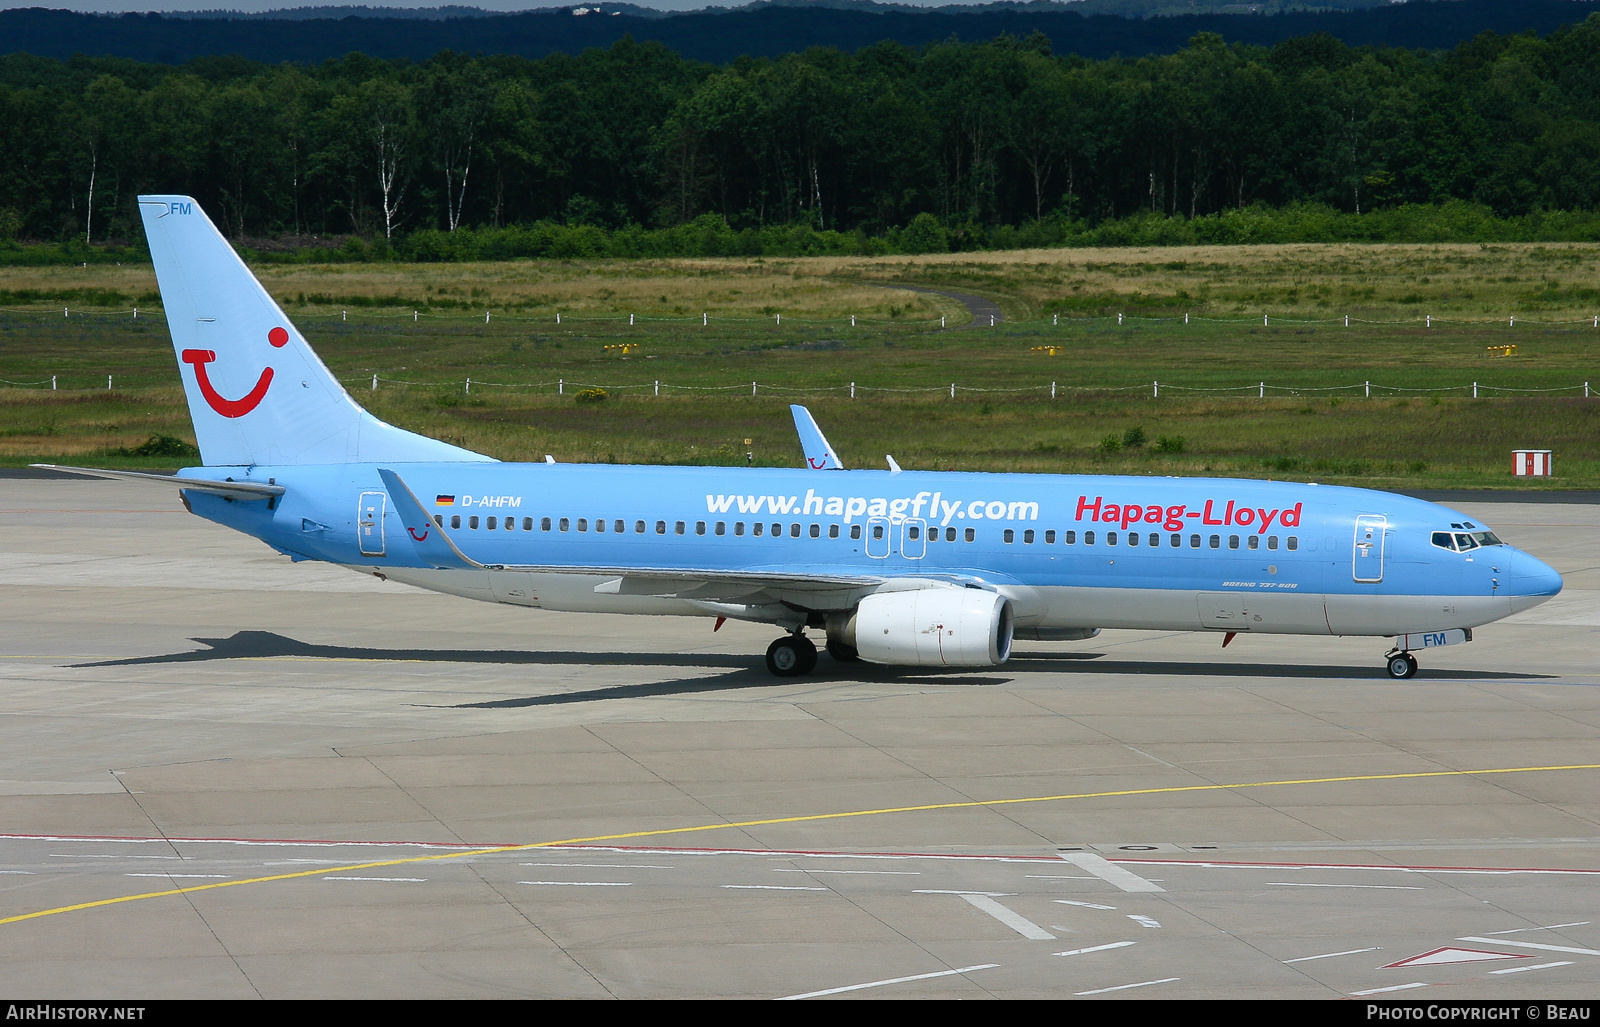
(1402, 665)
(791, 656)
(842, 652)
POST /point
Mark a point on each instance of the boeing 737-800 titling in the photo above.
(907, 568)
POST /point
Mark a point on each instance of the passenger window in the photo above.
(1155, 538)
(1050, 537)
(1027, 536)
(1111, 538)
(699, 527)
(877, 532)
(1294, 542)
(777, 529)
(527, 524)
(494, 522)
(544, 524)
(618, 527)
(757, 528)
(722, 527)
(1176, 540)
(1233, 541)
(738, 528)
(949, 534)
(638, 527)
(600, 524)
(1009, 536)
(583, 524)
(1194, 541)
(678, 528)
(912, 532)
(1253, 542)
(1133, 538)
(794, 531)
(833, 531)
(972, 534)
(1069, 538)
(816, 531)
(1216, 541)
(472, 522)
(1088, 538)
(455, 521)
(438, 519)
(661, 527)
(855, 531)
(1272, 542)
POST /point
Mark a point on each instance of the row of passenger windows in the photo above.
(913, 532)
(1174, 540)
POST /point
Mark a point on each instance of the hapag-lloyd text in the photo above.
(1175, 518)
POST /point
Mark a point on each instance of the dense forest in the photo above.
(635, 138)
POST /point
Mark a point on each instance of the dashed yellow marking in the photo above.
(1171, 790)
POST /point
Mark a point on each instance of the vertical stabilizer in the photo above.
(819, 455)
(257, 393)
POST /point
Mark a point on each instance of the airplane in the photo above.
(897, 567)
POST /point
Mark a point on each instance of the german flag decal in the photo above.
(445, 501)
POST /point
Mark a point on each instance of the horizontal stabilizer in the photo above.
(432, 544)
(246, 490)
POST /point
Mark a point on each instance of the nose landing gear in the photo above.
(1400, 664)
(791, 656)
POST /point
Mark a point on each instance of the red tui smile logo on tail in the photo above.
(278, 337)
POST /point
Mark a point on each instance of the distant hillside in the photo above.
(767, 29)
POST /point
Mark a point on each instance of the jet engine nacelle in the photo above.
(931, 627)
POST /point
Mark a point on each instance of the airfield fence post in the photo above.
(53, 385)
(1513, 322)
(1428, 321)
(486, 318)
(1369, 390)
(780, 320)
(1052, 390)
(1119, 317)
(991, 320)
(469, 386)
(658, 386)
(413, 317)
(1263, 320)
(1055, 319)
(1155, 390)
(344, 315)
(1185, 317)
(1585, 387)
(374, 383)
(952, 390)
(561, 386)
(852, 390)
(1474, 390)
(852, 320)
(558, 317)
(136, 313)
(630, 320)
(1263, 391)
(753, 384)
(108, 381)
(1347, 320)
(63, 311)
(941, 320)
(705, 319)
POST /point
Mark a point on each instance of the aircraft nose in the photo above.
(1531, 581)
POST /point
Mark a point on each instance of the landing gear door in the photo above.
(1367, 557)
(369, 522)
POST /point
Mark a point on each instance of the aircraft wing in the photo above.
(435, 547)
(246, 490)
(819, 455)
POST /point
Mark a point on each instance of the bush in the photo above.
(161, 445)
(1169, 444)
(1110, 444)
(1133, 438)
(591, 396)
(924, 235)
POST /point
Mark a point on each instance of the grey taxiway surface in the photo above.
(302, 769)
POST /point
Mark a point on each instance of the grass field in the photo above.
(360, 319)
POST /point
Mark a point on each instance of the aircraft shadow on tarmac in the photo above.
(745, 671)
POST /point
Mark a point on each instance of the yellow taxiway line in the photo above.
(97, 903)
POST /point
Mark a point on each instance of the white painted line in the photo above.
(1532, 945)
(29, 872)
(803, 870)
(222, 877)
(607, 866)
(953, 891)
(1539, 966)
(1016, 921)
(1096, 948)
(771, 887)
(302, 862)
(1552, 927)
(63, 855)
(892, 980)
(1109, 872)
(385, 879)
(1144, 921)
(1058, 877)
(1397, 987)
(1086, 905)
(1125, 987)
(585, 884)
(1382, 887)
(1330, 955)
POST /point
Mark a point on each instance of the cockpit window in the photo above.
(1444, 540)
(1487, 538)
(1465, 542)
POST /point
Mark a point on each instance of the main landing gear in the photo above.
(1400, 664)
(792, 656)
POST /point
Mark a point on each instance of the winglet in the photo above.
(432, 544)
(819, 455)
(894, 468)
